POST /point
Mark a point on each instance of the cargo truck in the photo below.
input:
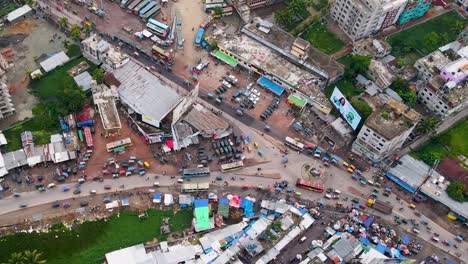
(380, 206)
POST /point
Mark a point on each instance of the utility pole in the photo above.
(429, 174)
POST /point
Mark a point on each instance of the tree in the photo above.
(431, 40)
(66, 43)
(75, 32)
(98, 75)
(362, 107)
(87, 29)
(298, 8)
(63, 22)
(403, 89)
(43, 113)
(218, 10)
(358, 64)
(284, 17)
(427, 125)
(456, 191)
(33, 257)
(16, 258)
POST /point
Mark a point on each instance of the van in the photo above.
(416, 231)
(180, 180)
(156, 184)
(303, 239)
(51, 185)
(435, 239)
(92, 192)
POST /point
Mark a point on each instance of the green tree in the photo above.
(75, 32)
(431, 41)
(15, 258)
(456, 191)
(427, 125)
(98, 75)
(33, 257)
(66, 43)
(362, 107)
(284, 17)
(403, 89)
(218, 10)
(63, 22)
(298, 8)
(87, 29)
(358, 64)
(45, 116)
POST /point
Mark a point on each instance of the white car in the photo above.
(226, 84)
(51, 185)
(180, 180)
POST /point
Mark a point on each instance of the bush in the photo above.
(456, 191)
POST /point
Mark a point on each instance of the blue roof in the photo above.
(400, 182)
(272, 86)
(406, 240)
(200, 203)
(125, 202)
(364, 241)
(199, 36)
(156, 195)
(381, 248)
(223, 201)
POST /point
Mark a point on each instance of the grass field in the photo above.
(322, 39)
(451, 143)
(446, 28)
(13, 135)
(48, 86)
(90, 241)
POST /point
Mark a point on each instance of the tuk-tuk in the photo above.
(350, 170)
(131, 168)
(128, 173)
(139, 162)
(23, 204)
(147, 164)
(61, 179)
(339, 204)
(255, 145)
(249, 149)
(122, 172)
(412, 206)
(141, 171)
(65, 188)
(16, 194)
(345, 164)
(66, 204)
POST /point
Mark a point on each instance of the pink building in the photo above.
(456, 71)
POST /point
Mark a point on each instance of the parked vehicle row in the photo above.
(270, 109)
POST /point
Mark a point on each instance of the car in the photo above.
(219, 178)
(239, 112)
(76, 191)
(180, 180)
(107, 187)
(51, 185)
(92, 192)
(56, 204)
(84, 203)
(40, 178)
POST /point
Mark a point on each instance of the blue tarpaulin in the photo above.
(364, 241)
(406, 240)
(200, 203)
(400, 182)
(156, 196)
(248, 207)
(302, 211)
(381, 248)
(270, 85)
(369, 221)
(223, 201)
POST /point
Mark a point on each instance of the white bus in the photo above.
(195, 187)
(294, 144)
(232, 166)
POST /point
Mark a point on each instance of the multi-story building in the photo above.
(385, 131)
(253, 4)
(6, 105)
(431, 65)
(380, 73)
(361, 18)
(413, 10)
(102, 53)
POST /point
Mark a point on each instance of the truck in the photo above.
(380, 206)
(89, 122)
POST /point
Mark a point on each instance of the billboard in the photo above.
(345, 108)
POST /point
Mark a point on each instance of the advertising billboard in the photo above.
(345, 108)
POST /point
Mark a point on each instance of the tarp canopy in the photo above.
(202, 217)
(297, 101)
(270, 85)
(226, 58)
(200, 203)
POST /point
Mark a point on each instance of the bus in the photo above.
(195, 187)
(133, 4)
(161, 53)
(199, 36)
(80, 135)
(147, 8)
(294, 144)
(158, 28)
(152, 12)
(195, 172)
(228, 11)
(140, 6)
(207, 2)
(208, 7)
(232, 166)
(126, 142)
(88, 137)
(309, 185)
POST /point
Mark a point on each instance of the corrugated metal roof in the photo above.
(53, 62)
(18, 13)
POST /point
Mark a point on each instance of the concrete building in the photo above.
(414, 9)
(283, 59)
(374, 48)
(104, 98)
(254, 4)
(6, 105)
(362, 18)
(385, 131)
(380, 73)
(431, 65)
(100, 52)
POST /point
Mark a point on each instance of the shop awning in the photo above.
(226, 58)
(297, 101)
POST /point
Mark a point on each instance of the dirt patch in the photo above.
(24, 27)
(453, 170)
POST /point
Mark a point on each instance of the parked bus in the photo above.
(88, 137)
(195, 172)
(232, 166)
(161, 53)
(147, 8)
(126, 142)
(195, 187)
(80, 134)
(199, 36)
(158, 28)
(140, 6)
(133, 4)
(124, 3)
(152, 12)
(294, 144)
(208, 7)
(309, 185)
(207, 2)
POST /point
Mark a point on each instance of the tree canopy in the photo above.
(403, 89)
(427, 125)
(358, 64)
(98, 75)
(456, 190)
(75, 32)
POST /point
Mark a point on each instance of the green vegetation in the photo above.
(319, 5)
(75, 32)
(362, 107)
(98, 75)
(456, 190)
(357, 64)
(10, 8)
(324, 40)
(291, 16)
(426, 37)
(90, 241)
(451, 143)
(427, 125)
(346, 87)
(402, 88)
(28, 257)
(73, 50)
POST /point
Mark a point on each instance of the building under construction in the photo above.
(104, 98)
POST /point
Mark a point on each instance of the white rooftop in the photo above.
(18, 13)
(131, 255)
(147, 94)
(84, 80)
(53, 62)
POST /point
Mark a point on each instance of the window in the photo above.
(380, 144)
(365, 134)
